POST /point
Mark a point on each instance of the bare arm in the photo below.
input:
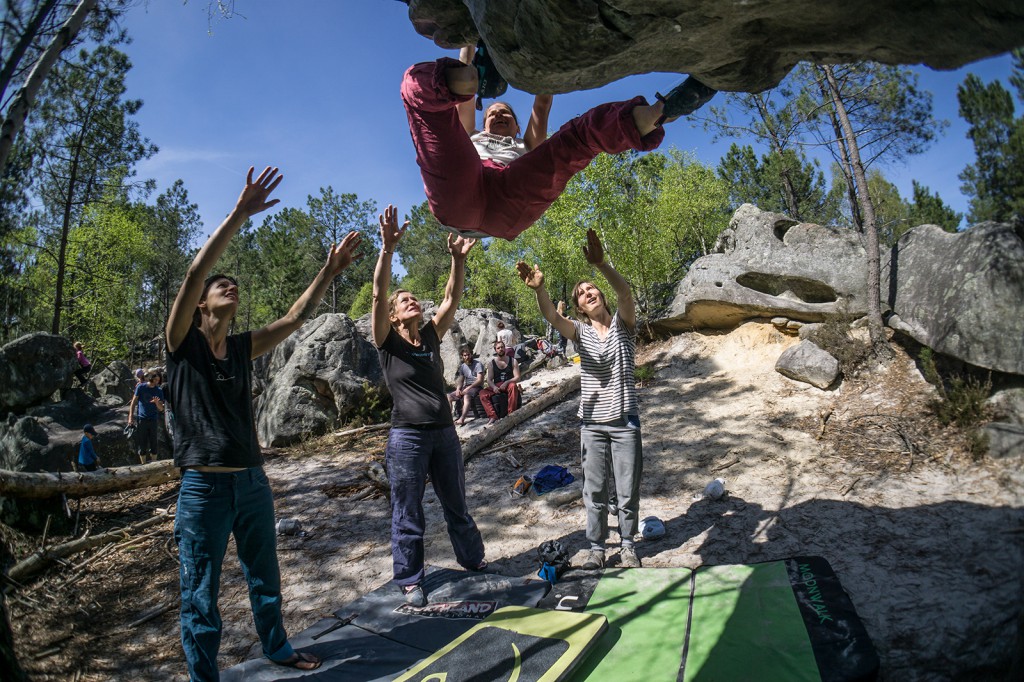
(339, 257)
(537, 128)
(489, 380)
(515, 373)
(252, 200)
(390, 233)
(467, 109)
(534, 279)
(459, 248)
(131, 407)
(594, 254)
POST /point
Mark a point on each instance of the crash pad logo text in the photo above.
(817, 602)
(474, 610)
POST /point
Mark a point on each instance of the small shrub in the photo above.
(643, 373)
(374, 408)
(834, 335)
(961, 398)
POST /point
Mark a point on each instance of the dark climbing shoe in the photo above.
(684, 99)
(490, 84)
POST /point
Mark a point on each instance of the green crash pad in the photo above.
(515, 643)
(784, 620)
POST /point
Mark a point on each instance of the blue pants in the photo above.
(612, 463)
(212, 506)
(411, 455)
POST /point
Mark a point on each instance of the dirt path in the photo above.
(927, 544)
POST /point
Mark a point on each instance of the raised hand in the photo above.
(593, 251)
(341, 255)
(459, 246)
(253, 198)
(532, 277)
(390, 233)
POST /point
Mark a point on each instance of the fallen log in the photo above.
(474, 444)
(39, 560)
(86, 483)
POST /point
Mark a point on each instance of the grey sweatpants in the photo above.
(611, 449)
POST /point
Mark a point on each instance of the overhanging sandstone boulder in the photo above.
(557, 46)
(32, 368)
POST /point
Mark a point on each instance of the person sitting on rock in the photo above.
(468, 384)
(224, 490)
(502, 377)
(494, 183)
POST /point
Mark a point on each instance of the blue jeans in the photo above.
(614, 451)
(211, 507)
(412, 454)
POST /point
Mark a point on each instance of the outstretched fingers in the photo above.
(390, 233)
(254, 196)
(532, 277)
(593, 251)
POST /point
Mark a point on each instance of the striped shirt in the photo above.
(607, 383)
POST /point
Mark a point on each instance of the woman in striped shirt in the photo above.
(610, 440)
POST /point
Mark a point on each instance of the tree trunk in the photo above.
(844, 160)
(878, 341)
(25, 99)
(31, 29)
(478, 442)
(86, 484)
(65, 228)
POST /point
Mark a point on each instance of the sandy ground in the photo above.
(927, 542)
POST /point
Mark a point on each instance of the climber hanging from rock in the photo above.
(494, 183)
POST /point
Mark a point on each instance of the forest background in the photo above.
(92, 249)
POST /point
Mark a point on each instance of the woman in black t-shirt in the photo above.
(224, 491)
(422, 439)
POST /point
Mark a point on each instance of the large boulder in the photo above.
(316, 377)
(561, 45)
(767, 265)
(32, 368)
(961, 294)
(116, 380)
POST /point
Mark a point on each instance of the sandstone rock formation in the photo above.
(565, 45)
(767, 265)
(808, 363)
(116, 380)
(32, 368)
(961, 294)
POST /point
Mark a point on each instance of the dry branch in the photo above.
(363, 429)
(478, 442)
(38, 561)
(86, 483)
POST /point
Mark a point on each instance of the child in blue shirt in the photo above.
(88, 460)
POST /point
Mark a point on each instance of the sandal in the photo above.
(685, 98)
(300, 661)
(490, 84)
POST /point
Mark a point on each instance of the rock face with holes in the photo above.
(561, 46)
(767, 265)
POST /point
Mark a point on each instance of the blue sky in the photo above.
(312, 86)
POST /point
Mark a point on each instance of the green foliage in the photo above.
(423, 252)
(836, 336)
(363, 302)
(930, 209)
(333, 216)
(644, 374)
(995, 181)
(374, 407)
(961, 398)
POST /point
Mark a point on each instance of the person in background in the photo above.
(140, 378)
(88, 460)
(83, 363)
(468, 383)
(422, 441)
(224, 491)
(145, 411)
(610, 440)
(502, 377)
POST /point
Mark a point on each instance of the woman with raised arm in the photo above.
(224, 490)
(610, 441)
(422, 441)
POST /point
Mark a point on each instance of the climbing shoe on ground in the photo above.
(594, 561)
(685, 98)
(490, 83)
(628, 558)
